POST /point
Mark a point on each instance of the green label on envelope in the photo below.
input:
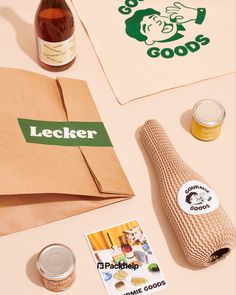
(65, 133)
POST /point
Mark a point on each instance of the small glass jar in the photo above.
(208, 117)
(56, 264)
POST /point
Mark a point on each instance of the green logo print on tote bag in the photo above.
(154, 27)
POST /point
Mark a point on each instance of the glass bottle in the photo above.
(126, 248)
(55, 35)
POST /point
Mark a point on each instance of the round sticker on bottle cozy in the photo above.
(196, 198)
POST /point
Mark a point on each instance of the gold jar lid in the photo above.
(209, 112)
(56, 262)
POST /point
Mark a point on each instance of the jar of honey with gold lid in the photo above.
(207, 118)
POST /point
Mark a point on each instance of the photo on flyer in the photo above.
(125, 260)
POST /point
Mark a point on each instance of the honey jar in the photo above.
(207, 118)
(56, 265)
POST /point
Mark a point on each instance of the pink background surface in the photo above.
(215, 161)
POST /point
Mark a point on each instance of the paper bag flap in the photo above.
(43, 182)
(29, 168)
(102, 161)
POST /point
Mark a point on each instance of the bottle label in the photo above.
(57, 53)
(196, 198)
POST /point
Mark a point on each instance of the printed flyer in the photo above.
(125, 260)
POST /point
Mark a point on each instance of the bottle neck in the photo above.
(53, 4)
(166, 160)
(161, 149)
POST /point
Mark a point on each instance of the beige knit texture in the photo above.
(204, 238)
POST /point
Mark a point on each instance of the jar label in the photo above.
(57, 53)
(196, 198)
(205, 133)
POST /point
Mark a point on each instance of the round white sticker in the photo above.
(196, 198)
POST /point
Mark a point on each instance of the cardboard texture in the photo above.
(149, 46)
(44, 183)
(204, 230)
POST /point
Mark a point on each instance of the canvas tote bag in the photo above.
(147, 46)
(41, 182)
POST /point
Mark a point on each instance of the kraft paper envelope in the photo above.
(44, 182)
(147, 46)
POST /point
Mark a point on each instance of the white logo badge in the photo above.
(197, 198)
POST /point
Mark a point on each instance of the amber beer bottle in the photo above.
(126, 248)
(55, 35)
